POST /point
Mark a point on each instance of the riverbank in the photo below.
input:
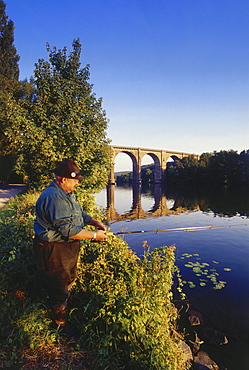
(118, 303)
(219, 309)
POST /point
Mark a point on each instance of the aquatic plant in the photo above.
(204, 273)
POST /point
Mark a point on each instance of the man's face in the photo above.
(69, 184)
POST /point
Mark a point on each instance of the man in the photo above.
(59, 227)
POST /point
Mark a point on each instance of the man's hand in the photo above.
(101, 236)
(97, 224)
(88, 234)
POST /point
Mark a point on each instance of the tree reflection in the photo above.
(221, 203)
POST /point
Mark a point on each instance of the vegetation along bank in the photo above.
(121, 304)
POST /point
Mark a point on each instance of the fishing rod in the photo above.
(193, 228)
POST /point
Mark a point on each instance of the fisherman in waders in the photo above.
(59, 227)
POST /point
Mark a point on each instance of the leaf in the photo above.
(188, 265)
(8, 363)
(191, 284)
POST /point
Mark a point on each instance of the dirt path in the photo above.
(9, 191)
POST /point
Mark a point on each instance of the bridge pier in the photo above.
(112, 180)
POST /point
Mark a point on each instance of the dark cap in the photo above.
(69, 169)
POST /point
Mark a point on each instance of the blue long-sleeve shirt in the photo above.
(58, 215)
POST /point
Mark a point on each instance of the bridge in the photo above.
(160, 158)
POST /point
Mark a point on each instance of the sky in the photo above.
(173, 74)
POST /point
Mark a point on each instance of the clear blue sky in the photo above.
(173, 74)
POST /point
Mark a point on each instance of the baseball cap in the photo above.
(69, 169)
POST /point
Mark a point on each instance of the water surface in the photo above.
(219, 285)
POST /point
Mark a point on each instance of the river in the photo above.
(213, 261)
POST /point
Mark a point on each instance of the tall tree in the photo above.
(223, 168)
(9, 91)
(9, 69)
(244, 167)
(65, 120)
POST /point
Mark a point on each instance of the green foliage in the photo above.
(24, 319)
(147, 175)
(55, 116)
(13, 125)
(64, 120)
(124, 178)
(9, 88)
(9, 70)
(219, 170)
(87, 201)
(121, 303)
(127, 314)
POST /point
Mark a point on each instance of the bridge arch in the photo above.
(135, 164)
(159, 156)
(157, 164)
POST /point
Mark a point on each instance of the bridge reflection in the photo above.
(160, 207)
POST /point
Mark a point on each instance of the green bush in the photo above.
(24, 317)
(121, 303)
(124, 306)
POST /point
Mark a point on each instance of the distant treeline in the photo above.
(224, 169)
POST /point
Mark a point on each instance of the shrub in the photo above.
(121, 303)
(124, 306)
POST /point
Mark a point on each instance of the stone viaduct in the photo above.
(160, 158)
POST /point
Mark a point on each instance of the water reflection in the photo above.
(159, 208)
(220, 203)
(167, 202)
(223, 249)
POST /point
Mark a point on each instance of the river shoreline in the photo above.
(220, 315)
(221, 310)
